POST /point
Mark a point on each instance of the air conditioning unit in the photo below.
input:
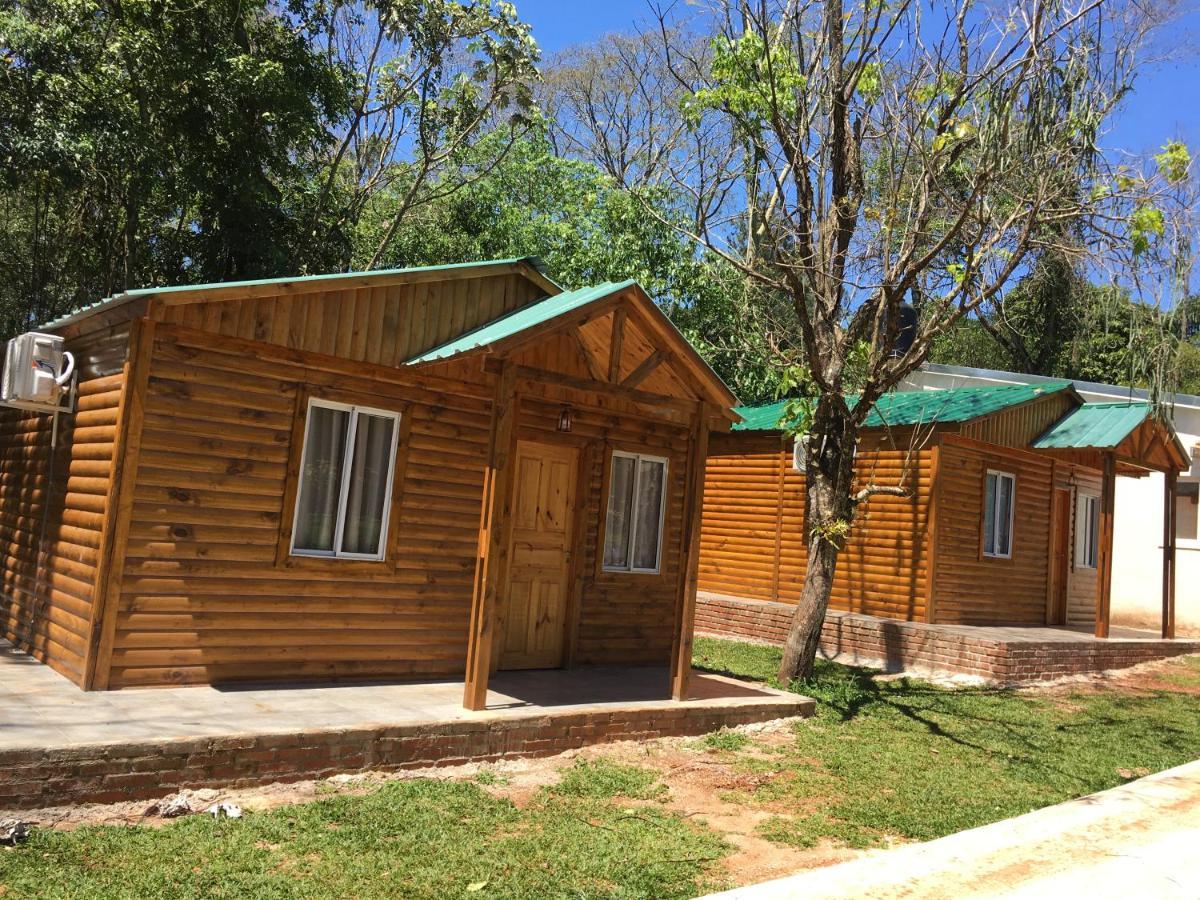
(36, 371)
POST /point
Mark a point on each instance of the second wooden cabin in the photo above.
(1005, 517)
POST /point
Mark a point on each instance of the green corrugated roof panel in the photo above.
(1098, 425)
(521, 319)
(901, 408)
(292, 279)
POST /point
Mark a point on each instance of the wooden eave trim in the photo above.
(961, 440)
(351, 281)
(405, 376)
(656, 320)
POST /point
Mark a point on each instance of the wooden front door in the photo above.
(1060, 557)
(535, 614)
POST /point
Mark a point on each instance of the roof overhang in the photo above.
(560, 313)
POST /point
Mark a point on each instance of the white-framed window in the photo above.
(999, 494)
(345, 484)
(1087, 531)
(637, 497)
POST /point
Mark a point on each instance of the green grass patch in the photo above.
(908, 759)
(410, 839)
(806, 832)
(725, 739)
(603, 779)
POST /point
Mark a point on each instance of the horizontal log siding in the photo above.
(46, 600)
(385, 325)
(972, 589)
(752, 541)
(202, 599)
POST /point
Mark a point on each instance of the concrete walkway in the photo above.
(1138, 840)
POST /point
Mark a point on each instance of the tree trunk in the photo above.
(829, 508)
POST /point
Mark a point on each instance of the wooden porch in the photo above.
(60, 745)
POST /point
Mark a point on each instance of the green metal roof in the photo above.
(901, 408)
(521, 319)
(125, 296)
(1095, 425)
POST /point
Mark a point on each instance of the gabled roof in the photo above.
(522, 319)
(901, 408)
(299, 283)
(1094, 425)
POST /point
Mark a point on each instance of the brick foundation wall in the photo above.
(897, 646)
(110, 773)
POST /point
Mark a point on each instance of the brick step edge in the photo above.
(112, 773)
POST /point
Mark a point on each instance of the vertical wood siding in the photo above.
(1021, 425)
(385, 325)
(752, 538)
(59, 506)
(973, 589)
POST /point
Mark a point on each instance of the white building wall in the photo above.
(1138, 526)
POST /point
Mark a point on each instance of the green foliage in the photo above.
(1174, 161)
(420, 839)
(155, 141)
(1146, 224)
(751, 81)
(585, 228)
(603, 779)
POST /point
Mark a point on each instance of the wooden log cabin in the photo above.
(419, 473)
(1005, 517)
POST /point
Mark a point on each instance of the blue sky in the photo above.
(1166, 102)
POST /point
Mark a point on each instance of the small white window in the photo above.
(998, 503)
(1187, 511)
(1087, 532)
(637, 493)
(345, 484)
(798, 453)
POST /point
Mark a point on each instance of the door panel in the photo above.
(1060, 557)
(535, 615)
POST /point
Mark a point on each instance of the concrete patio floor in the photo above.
(59, 744)
(39, 708)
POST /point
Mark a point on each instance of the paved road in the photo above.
(1139, 840)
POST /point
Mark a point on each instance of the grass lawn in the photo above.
(890, 760)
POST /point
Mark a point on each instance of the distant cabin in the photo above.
(1004, 518)
(419, 473)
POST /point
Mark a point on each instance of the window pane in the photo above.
(649, 514)
(989, 515)
(321, 478)
(1004, 523)
(366, 496)
(620, 502)
(1093, 532)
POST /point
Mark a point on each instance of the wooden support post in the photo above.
(685, 607)
(1168, 587)
(1104, 575)
(495, 533)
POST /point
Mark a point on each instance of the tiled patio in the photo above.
(59, 744)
